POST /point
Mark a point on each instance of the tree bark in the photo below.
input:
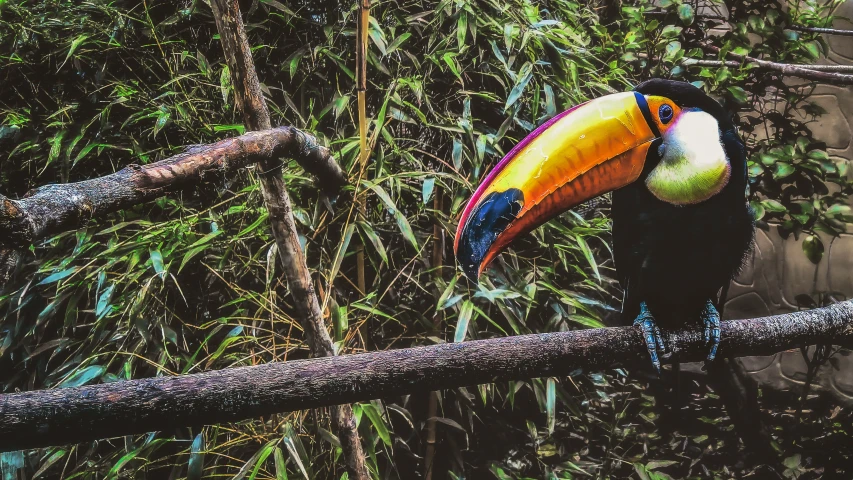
(52, 209)
(250, 101)
(51, 417)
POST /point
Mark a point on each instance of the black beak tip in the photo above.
(491, 217)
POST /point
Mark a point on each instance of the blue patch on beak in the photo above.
(491, 217)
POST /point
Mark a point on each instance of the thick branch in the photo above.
(51, 209)
(51, 417)
(250, 101)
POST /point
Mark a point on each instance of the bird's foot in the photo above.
(711, 320)
(651, 334)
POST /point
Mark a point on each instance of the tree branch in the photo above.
(50, 417)
(790, 70)
(799, 28)
(250, 101)
(52, 209)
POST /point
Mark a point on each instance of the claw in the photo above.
(711, 320)
(651, 334)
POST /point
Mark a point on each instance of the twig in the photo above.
(828, 31)
(250, 100)
(57, 416)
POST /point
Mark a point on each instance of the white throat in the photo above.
(693, 165)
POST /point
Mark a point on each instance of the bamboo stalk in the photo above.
(50, 417)
(432, 407)
(251, 103)
(361, 92)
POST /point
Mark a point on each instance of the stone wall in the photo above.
(779, 271)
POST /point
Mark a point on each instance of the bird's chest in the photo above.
(679, 253)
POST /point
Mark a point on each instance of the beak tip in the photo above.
(479, 231)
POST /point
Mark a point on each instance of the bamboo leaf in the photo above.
(462, 321)
(402, 222)
(524, 76)
(195, 466)
(375, 417)
(83, 376)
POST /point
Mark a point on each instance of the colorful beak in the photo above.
(591, 149)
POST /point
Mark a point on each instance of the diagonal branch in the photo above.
(52, 209)
(50, 417)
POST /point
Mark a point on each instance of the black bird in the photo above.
(682, 225)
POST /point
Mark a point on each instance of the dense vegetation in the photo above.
(190, 283)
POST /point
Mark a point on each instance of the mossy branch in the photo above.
(58, 416)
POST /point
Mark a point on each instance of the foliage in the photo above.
(190, 283)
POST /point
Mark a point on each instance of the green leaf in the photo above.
(162, 119)
(773, 206)
(376, 420)
(55, 277)
(756, 23)
(265, 452)
(398, 42)
(461, 28)
(685, 13)
(839, 209)
(296, 450)
(812, 49)
(45, 465)
(551, 403)
(587, 253)
(524, 76)
(783, 170)
(157, 261)
(757, 210)
(195, 466)
(83, 376)
(793, 461)
(738, 93)
(426, 192)
(280, 464)
(75, 44)
(104, 302)
(342, 251)
(818, 155)
(813, 248)
(367, 230)
(462, 321)
(402, 222)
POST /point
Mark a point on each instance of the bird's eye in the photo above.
(665, 113)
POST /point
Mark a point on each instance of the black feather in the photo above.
(677, 257)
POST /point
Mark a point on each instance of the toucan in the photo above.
(682, 224)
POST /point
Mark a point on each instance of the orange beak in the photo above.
(591, 149)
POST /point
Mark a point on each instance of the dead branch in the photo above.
(58, 416)
(250, 101)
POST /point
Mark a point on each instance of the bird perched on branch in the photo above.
(681, 223)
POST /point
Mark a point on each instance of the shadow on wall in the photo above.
(777, 273)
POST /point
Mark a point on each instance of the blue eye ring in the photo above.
(665, 114)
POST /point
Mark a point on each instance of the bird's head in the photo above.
(671, 130)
